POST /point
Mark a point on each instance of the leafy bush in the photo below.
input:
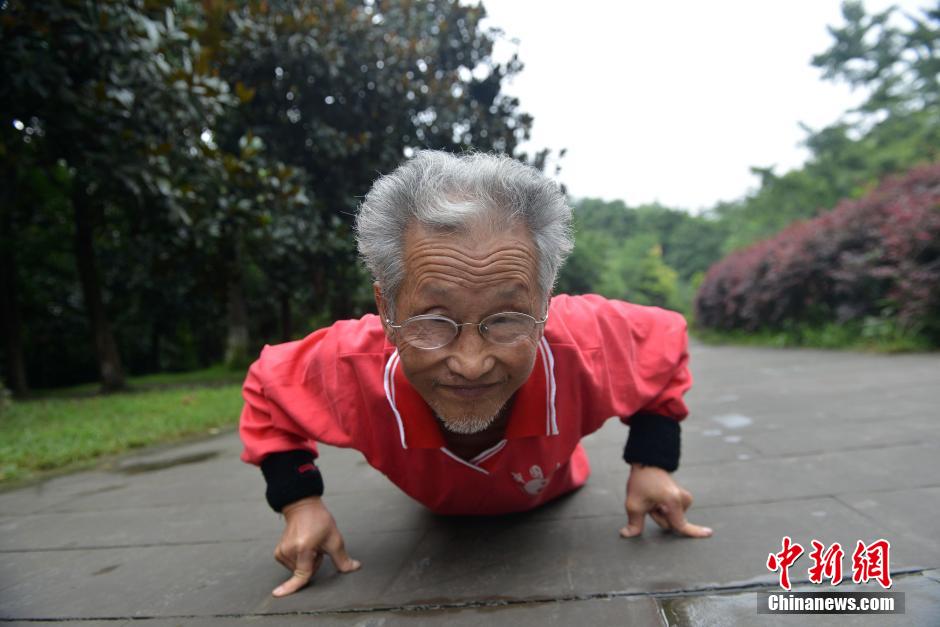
(875, 260)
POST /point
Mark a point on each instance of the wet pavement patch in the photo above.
(141, 467)
(733, 421)
(108, 488)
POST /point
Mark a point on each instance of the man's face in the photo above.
(467, 277)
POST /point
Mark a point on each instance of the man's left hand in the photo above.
(653, 491)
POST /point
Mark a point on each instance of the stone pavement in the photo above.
(810, 444)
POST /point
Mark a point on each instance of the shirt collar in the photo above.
(532, 414)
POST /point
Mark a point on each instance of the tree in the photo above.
(170, 164)
(899, 67)
(582, 271)
(635, 271)
(694, 245)
(342, 91)
(103, 89)
(897, 126)
(650, 253)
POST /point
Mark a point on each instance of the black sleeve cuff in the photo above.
(290, 476)
(654, 441)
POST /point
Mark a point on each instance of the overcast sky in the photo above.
(673, 101)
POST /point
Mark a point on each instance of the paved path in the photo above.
(810, 444)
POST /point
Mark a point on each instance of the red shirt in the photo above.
(343, 386)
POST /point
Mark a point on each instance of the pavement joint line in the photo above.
(462, 605)
(861, 513)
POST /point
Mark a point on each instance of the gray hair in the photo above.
(446, 192)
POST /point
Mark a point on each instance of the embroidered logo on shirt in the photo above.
(536, 482)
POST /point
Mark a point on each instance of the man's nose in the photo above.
(470, 355)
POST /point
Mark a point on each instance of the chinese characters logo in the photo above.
(869, 562)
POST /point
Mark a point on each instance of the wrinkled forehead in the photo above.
(442, 290)
(501, 262)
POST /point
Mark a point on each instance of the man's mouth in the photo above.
(469, 391)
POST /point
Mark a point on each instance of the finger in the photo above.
(694, 531)
(301, 577)
(686, 498)
(680, 525)
(635, 519)
(658, 515)
(670, 511)
(283, 559)
(335, 547)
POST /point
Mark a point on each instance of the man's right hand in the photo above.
(309, 533)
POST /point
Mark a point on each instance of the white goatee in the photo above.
(465, 425)
(469, 424)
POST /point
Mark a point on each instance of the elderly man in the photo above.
(472, 388)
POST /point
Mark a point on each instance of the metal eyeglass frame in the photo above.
(458, 326)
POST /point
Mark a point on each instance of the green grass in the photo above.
(873, 335)
(214, 375)
(42, 435)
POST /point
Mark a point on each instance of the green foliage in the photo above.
(107, 90)
(635, 272)
(342, 91)
(221, 148)
(613, 218)
(648, 255)
(582, 271)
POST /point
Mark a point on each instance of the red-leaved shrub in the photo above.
(879, 255)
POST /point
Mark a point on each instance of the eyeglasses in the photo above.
(430, 331)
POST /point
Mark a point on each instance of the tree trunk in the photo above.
(9, 304)
(109, 361)
(286, 322)
(236, 346)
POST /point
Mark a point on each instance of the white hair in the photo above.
(446, 192)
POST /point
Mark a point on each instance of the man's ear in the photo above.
(547, 305)
(381, 305)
